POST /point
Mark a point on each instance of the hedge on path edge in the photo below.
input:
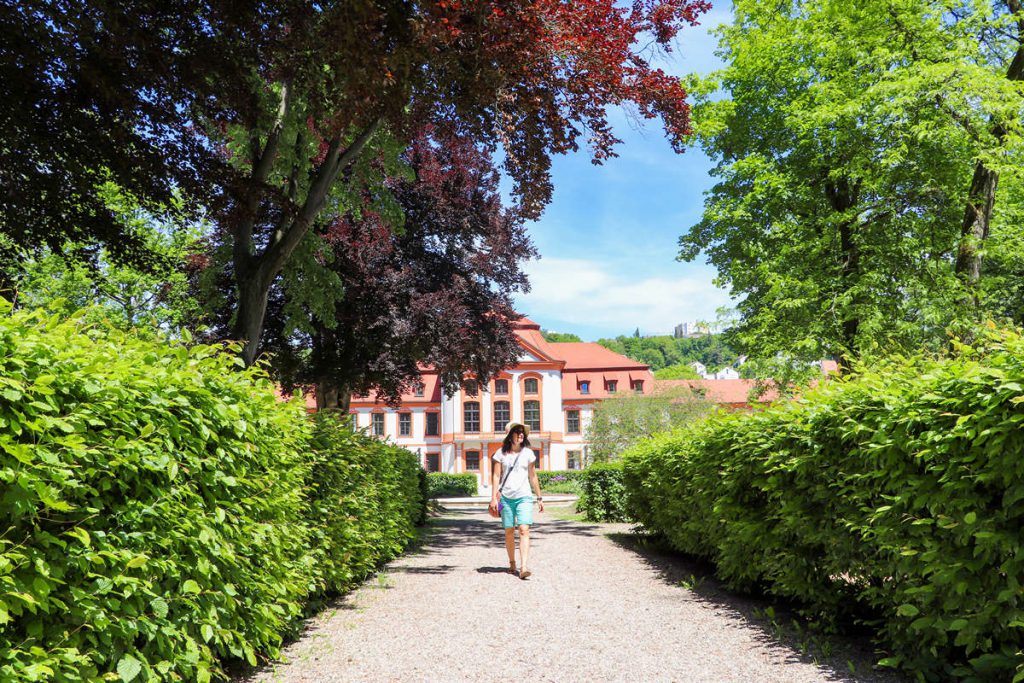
(898, 493)
(165, 511)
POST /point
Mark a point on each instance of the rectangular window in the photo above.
(638, 386)
(531, 415)
(405, 424)
(572, 421)
(433, 462)
(355, 422)
(502, 415)
(530, 385)
(584, 387)
(471, 417)
(378, 424)
(432, 424)
(613, 386)
(574, 460)
(472, 461)
(501, 387)
(418, 393)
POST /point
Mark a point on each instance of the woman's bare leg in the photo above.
(510, 547)
(524, 548)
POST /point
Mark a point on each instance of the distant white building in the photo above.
(700, 368)
(726, 373)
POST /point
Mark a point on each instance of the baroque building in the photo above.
(552, 390)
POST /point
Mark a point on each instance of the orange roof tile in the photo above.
(592, 356)
(431, 393)
(722, 391)
(599, 383)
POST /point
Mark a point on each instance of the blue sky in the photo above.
(608, 239)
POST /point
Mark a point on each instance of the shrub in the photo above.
(603, 495)
(365, 501)
(440, 484)
(153, 498)
(560, 481)
(165, 511)
(899, 492)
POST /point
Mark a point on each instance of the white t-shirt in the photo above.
(517, 485)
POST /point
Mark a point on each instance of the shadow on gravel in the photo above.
(849, 659)
(492, 570)
(459, 529)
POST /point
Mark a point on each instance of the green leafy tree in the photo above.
(560, 336)
(145, 297)
(620, 422)
(846, 136)
(677, 371)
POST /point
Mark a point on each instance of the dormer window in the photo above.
(613, 386)
(584, 387)
(418, 393)
(638, 386)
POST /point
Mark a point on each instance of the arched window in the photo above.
(530, 385)
(471, 417)
(531, 414)
(502, 415)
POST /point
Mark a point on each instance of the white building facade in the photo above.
(552, 389)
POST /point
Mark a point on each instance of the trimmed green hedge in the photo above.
(603, 494)
(365, 502)
(560, 481)
(900, 492)
(163, 509)
(441, 485)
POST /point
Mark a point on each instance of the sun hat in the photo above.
(513, 425)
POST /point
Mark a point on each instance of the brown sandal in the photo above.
(525, 574)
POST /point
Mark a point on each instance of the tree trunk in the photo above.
(982, 197)
(842, 196)
(975, 226)
(252, 308)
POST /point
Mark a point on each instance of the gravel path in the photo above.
(598, 608)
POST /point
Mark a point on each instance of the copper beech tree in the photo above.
(261, 112)
(436, 292)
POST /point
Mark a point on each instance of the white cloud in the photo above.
(569, 294)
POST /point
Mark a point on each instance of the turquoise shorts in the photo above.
(516, 511)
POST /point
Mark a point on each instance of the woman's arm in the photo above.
(495, 482)
(535, 485)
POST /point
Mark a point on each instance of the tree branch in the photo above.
(335, 161)
(262, 164)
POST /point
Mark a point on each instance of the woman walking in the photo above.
(512, 478)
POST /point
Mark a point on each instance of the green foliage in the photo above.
(899, 492)
(846, 136)
(603, 494)
(441, 484)
(560, 481)
(618, 423)
(560, 336)
(677, 371)
(364, 502)
(162, 506)
(156, 297)
(153, 495)
(664, 351)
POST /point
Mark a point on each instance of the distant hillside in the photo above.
(664, 351)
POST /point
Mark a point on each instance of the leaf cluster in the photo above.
(166, 511)
(602, 493)
(443, 484)
(895, 496)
